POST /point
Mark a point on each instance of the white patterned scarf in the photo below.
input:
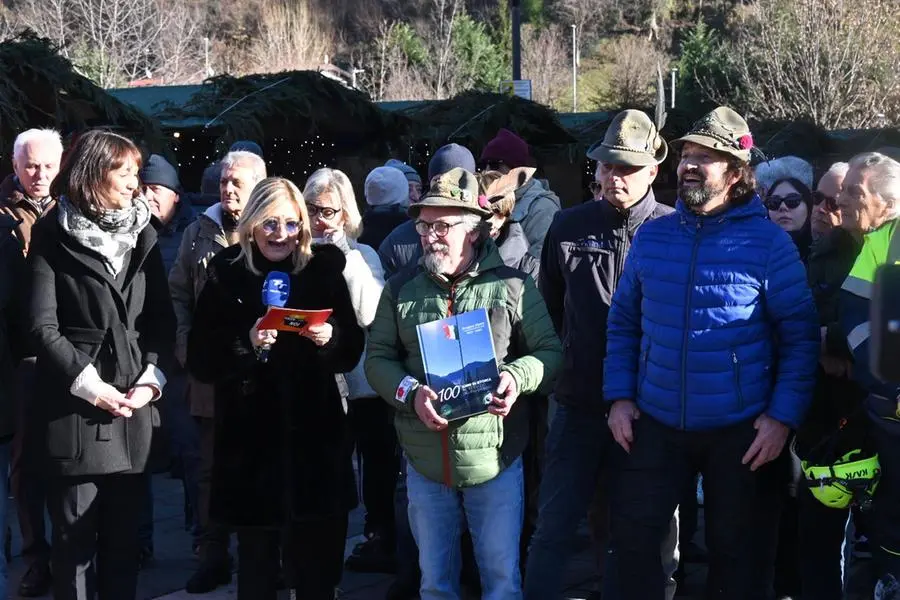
(112, 234)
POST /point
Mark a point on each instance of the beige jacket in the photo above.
(202, 240)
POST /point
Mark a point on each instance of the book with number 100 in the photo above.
(460, 363)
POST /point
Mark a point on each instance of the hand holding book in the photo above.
(506, 395)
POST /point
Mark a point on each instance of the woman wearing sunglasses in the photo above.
(283, 474)
(789, 202)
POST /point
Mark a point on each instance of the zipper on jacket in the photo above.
(737, 379)
(620, 255)
(445, 435)
(687, 322)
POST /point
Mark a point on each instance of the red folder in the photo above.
(292, 319)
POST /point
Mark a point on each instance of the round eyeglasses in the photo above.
(271, 226)
(326, 212)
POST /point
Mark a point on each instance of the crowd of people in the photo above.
(645, 352)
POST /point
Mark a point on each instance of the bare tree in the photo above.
(545, 61)
(117, 38)
(586, 15)
(633, 61)
(51, 19)
(832, 61)
(289, 38)
(179, 48)
(388, 74)
(444, 13)
(7, 24)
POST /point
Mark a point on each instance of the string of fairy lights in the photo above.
(294, 158)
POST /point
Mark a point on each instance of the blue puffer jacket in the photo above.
(713, 322)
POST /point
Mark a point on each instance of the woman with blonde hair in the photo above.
(335, 220)
(282, 469)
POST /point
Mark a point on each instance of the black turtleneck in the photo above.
(265, 265)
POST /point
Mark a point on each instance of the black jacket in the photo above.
(379, 221)
(282, 444)
(581, 262)
(79, 315)
(14, 343)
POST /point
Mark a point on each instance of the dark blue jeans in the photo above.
(577, 447)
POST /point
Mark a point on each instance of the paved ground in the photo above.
(174, 561)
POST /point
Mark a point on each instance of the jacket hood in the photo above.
(527, 194)
(752, 208)
(512, 243)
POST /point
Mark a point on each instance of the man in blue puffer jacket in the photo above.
(711, 356)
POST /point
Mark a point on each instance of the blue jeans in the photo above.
(5, 453)
(577, 447)
(494, 512)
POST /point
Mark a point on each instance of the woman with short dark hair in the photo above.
(103, 325)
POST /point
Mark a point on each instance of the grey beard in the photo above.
(434, 261)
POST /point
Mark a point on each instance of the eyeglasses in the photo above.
(491, 165)
(270, 226)
(792, 201)
(440, 228)
(830, 203)
(326, 212)
(595, 187)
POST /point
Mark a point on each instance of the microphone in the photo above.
(275, 291)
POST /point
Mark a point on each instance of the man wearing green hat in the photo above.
(712, 346)
(472, 464)
(581, 263)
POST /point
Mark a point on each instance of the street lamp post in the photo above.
(574, 71)
(516, 19)
(674, 71)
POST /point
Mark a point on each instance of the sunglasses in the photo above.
(792, 201)
(440, 228)
(271, 226)
(830, 203)
(492, 165)
(326, 212)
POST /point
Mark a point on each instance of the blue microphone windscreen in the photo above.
(276, 289)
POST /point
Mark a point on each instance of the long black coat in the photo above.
(79, 314)
(14, 344)
(282, 447)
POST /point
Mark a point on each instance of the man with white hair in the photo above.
(870, 202)
(825, 215)
(25, 196)
(214, 230)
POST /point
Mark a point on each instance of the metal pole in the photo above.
(674, 70)
(516, 39)
(206, 56)
(574, 72)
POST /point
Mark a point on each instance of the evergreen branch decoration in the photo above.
(40, 88)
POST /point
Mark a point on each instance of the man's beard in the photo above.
(436, 257)
(697, 196)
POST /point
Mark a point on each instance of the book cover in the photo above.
(460, 363)
(292, 319)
